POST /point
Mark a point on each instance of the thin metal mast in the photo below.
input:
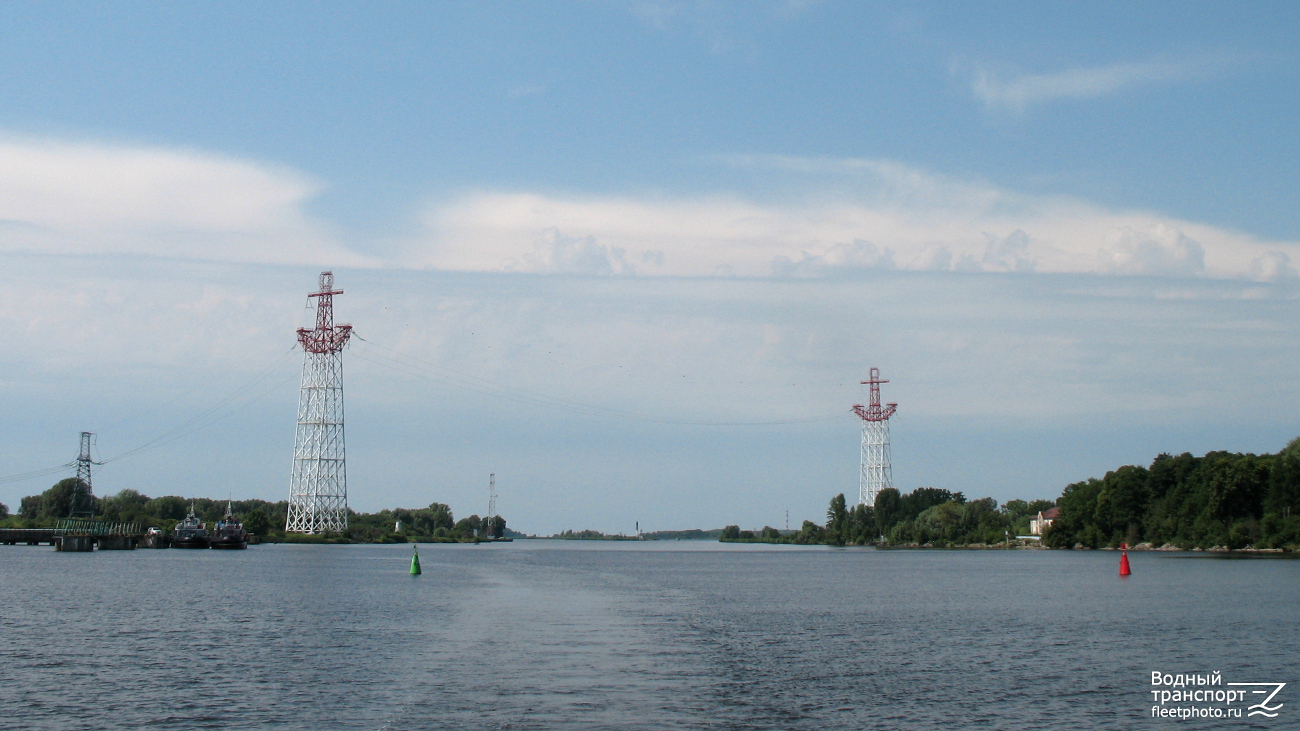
(82, 504)
(318, 487)
(492, 494)
(875, 474)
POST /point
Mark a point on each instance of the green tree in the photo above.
(862, 524)
(730, 533)
(494, 527)
(1237, 485)
(941, 522)
(809, 534)
(428, 520)
(888, 509)
(922, 498)
(1078, 505)
(1122, 504)
(169, 508)
(1283, 496)
(981, 522)
(126, 505)
(1019, 512)
(57, 502)
(257, 522)
(468, 527)
(837, 521)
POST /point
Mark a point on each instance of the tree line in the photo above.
(431, 524)
(1222, 499)
(925, 516)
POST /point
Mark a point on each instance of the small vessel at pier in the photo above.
(190, 533)
(230, 533)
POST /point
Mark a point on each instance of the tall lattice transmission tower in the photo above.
(876, 473)
(492, 506)
(82, 504)
(318, 489)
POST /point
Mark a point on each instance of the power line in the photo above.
(38, 473)
(200, 421)
(419, 368)
(175, 434)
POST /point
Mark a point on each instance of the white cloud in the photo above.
(1025, 90)
(1009, 253)
(555, 253)
(857, 256)
(1273, 266)
(914, 220)
(932, 258)
(84, 198)
(857, 214)
(1159, 250)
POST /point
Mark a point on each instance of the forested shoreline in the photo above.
(432, 524)
(926, 516)
(1220, 500)
(1223, 500)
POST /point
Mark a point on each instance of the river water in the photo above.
(660, 635)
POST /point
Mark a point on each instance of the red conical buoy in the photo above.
(1123, 560)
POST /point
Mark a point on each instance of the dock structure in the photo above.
(29, 536)
(78, 534)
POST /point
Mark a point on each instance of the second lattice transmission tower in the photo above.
(82, 504)
(318, 488)
(876, 473)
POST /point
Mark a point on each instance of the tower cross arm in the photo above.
(875, 412)
(324, 340)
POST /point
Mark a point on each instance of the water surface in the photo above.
(657, 635)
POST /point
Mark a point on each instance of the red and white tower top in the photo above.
(327, 337)
(873, 411)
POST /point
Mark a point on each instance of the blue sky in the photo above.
(1069, 238)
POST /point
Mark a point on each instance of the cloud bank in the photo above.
(891, 217)
(851, 216)
(86, 198)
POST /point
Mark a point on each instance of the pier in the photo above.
(78, 534)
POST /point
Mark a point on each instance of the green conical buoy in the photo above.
(415, 561)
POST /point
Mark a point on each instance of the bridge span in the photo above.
(79, 534)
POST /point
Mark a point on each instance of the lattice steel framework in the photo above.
(318, 488)
(492, 506)
(82, 504)
(876, 473)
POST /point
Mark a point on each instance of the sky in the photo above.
(635, 257)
